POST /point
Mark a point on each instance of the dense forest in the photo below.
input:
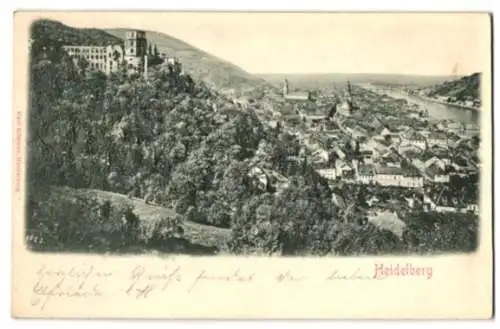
(173, 142)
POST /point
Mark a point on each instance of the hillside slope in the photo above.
(199, 64)
(54, 31)
(465, 88)
(199, 234)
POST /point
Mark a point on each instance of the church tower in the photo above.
(347, 107)
(347, 93)
(285, 87)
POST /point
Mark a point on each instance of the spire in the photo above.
(348, 90)
(285, 87)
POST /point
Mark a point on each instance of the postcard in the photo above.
(265, 165)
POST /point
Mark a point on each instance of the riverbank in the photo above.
(437, 111)
(433, 100)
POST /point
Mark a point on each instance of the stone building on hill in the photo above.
(108, 58)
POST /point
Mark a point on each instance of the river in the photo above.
(436, 111)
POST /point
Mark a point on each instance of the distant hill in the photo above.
(199, 64)
(328, 80)
(56, 32)
(465, 88)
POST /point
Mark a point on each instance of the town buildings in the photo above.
(391, 149)
(437, 173)
(395, 176)
(328, 173)
(451, 127)
(437, 138)
(366, 174)
(413, 137)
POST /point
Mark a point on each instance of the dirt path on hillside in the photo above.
(196, 233)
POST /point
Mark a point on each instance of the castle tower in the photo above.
(136, 46)
(285, 87)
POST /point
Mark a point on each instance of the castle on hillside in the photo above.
(108, 58)
(300, 96)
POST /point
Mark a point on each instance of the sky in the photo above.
(417, 43)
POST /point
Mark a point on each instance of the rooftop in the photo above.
(438, 135)
(452, 125)
(407, 172)
(365, 170)
(434, 170)
(389, 171)
(299, 95)
(414, 135)
(472, 126)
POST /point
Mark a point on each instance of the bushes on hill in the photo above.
(57, 222)
(436, 232)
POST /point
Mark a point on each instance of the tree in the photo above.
(150, 50)
(435, 232)
(156, 52)
(278, 128)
